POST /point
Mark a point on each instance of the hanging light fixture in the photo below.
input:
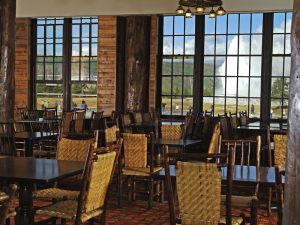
(200, 6)
(188, 13)
(212, 13)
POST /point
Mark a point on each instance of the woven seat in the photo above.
(92, 198)
(57, 193)
(140, 171)
(67, 210)
(135, 165)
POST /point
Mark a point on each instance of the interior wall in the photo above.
(65, 8)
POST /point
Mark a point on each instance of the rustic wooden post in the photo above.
(291, 213)
(7, 59)
(137, 57)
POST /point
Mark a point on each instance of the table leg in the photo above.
(28, 148)
(26, 211)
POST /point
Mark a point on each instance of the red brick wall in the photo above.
(22, 61)
(107, 64)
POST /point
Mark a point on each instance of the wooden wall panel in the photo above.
(22, 61)
(153, 58)
(106, 85)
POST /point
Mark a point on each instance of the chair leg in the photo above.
(120, 190)
(63, 222)
(102, 217)
(253, 212)
(133, 189)
(150, 191)
(129, 186)
(53, 220)
(269, 204)
(162, 191)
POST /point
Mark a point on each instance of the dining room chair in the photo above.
(198, 187)
(147, 117)
(66, 125)
(20, 144)
(50, 113)
(79, 121)
(139, 166)
(244, 118)
(226, 130)
(47, 147)
(215, 141)
(172, 132)
(34, 116)
(279, 174)
(71, 150)
(111, 135)
(96, 121)
(280, 146)
(6, 203)
(92, 197)
(22, 111)
(246, 153)
(138, 117)
(7, 139)
(125, 123)
(189, 124)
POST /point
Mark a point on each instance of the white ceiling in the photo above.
(66, 8)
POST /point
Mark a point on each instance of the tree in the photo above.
(280, 84)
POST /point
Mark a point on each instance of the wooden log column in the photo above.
(291, 213)
(7, 59)
(137, 59)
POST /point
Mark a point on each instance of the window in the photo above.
(177, 65)
(49, 62)
(281, 63)
(232, 63)
(84, 61)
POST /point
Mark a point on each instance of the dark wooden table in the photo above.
(242, 174)
(38, 122)
(30, 137)
(182, 143)
(274, 127)
(27, 171)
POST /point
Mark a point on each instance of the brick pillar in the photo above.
(22, 61)
(106, 86)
